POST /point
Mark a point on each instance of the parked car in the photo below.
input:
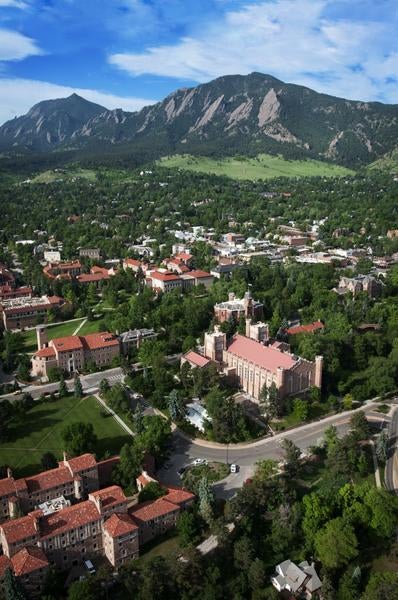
(234, 468)
(181, 471)
(90, 567)
(199, 461)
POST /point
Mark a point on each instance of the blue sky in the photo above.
(129, 53)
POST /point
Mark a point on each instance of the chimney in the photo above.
(231, 296)
(9, 473)
(318, 371)
(65, 458)
(248, 325)
(42, 337)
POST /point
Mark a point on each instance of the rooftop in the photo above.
(110, 496)
(49, 479)
(266, 357)
(196, 358)
(28, 560)
(119, 524)
(147, 511)
(69, 518)
(310, 328)
(82, 462)
(17, 530)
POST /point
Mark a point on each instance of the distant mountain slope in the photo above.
(49, 124)
(231, 115)
(388, 162)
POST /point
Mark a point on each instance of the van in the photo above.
(90, 567)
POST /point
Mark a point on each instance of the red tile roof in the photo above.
(49, 479)
(45, 352)
(305, 328)
(264, 356)
(110, 496)
(183, 256)
(96, 269)
(100, 340)
(119, 524)
(179, 496)
(9, 486)
(92, 277)
(5, 564)
(17, 530)
(146, 511)
(69, 518)
(82, 462)
(28, 560)
(199, 274)
(196, 358)
(68, 343)
(132, 262)
(164, 276)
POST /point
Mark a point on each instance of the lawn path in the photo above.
(79, 327)
(51, 431)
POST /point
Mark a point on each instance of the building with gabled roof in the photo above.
(73, 352)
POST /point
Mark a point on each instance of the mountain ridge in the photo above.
(232, 114)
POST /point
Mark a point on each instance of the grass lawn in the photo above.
(264, 166)
(317, 410)
(383, 408)
(53, 331)
(64, 175)
(166, 546)
(92, 327)
(40, 430)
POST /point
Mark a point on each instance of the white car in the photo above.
(199, 461)
(234, 468)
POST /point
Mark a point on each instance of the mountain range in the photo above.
(230, 115)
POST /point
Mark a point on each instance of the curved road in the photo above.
(246, 455)
(391, 472)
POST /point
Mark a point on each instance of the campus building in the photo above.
(63, 270)
(74, 352)
(252, 361)
(236, 308)
(18, 313)
(100, 522)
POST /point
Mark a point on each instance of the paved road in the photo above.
(391, 472)
(90, 384)
(246, 455)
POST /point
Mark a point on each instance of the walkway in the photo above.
(78, 328)
(115, 416)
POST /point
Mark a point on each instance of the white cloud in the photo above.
(19, 95)
(290, 39)
(15, 46)
(13, 3)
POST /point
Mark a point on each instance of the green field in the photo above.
(40, 429)
(263, 166)
(64, 175)
(92, 327)
(53, 331)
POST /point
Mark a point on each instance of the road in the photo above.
(246, 455)
(90, 384)
(391, 471)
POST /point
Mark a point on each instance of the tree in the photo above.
(317, 511)
(206, 499)
(78, 388)
(348, 401)
(87, 589)
(382, 586)
(129, 466)
(382, 447)
(79, 438)
(274, 406)
(152, 491)
(104, 387)
(300, 409)
(336, 544)
(12, 588)
(257, 575)
(187, 528)
(349, 585)
(359, 426)
(331, 438)
(48, 461)
(292, 457)
(175, 406)
(138, 418)
(63, 390)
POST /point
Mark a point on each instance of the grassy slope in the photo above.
(64, 175)
(40, 430)
(53, 331)
(263, 166)
(388, 162)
